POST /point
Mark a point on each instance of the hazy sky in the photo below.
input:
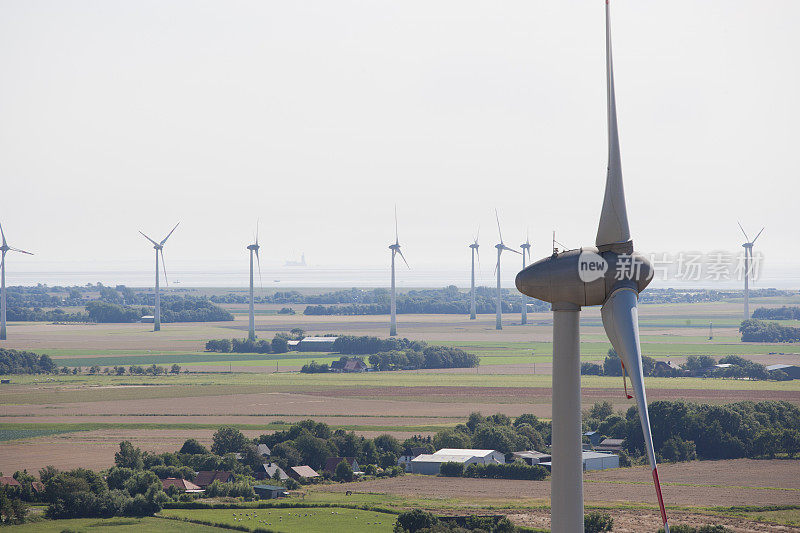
(318, 116)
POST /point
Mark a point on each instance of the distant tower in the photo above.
(710, 331)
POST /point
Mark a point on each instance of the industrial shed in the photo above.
(594, 461)
(532, 457)
(316, 344)
(430, 464)
(793, 371)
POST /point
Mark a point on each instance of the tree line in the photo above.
(22, 362)
(777, 313)
(684, 431)
(695, 365)
(754, 330)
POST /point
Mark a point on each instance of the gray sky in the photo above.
(317, 116)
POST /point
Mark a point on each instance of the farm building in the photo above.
(263, 450)
(332, 462)
(9, 481)
(348, 364)
(431, 463)
(316, 344)
(180, 484)
(593, 461)
(147, 319)
(793, 371)
(205, 478)
(593, 436)
(609, 445)
(302, 472)
(270, 492)
(268, 471)
(532, 457)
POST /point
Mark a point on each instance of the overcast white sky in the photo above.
(317, 116)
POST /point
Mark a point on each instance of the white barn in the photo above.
(430, 463)
(594, 461)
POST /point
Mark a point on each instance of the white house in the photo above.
(431, 463)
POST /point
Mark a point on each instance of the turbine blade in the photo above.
(149, 239)
(759, 234)
(164, 266)
(478, 256)
(496, 216)
(3, 234)
(621, 322)
(511, 249)
(396, 233)
(743, 231)
(257, 224)
(403, 257)
(168, 234)
(20, 251)
(477, 234)
(613, 227)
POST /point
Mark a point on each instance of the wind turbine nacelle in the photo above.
(584, 277)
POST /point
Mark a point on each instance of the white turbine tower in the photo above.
(474, 250)
(612, 275)
(395, 248)
(748, 258)
(251, 335)
(5, 248)
(499, 302)
(526, 251)
(159, 248)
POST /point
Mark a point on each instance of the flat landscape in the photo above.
(71, 420)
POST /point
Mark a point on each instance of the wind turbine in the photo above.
(395, 248)
(159, 248)
(612, 275)
(526, 250)
(474, 246)
(500, 247)
(5, 248)
(252, 323)
(748, 257)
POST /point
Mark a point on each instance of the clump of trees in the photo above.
(22, 362)
(419, 521)
(279, 344)
(401, 353)
(684, 431)
(759, 331)
(315, 368)
(612, 366)
(777, 313)
(496, 432)
(106, 312)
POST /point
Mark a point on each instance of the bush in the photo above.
(451, 469)
(413, 521)
(506, 471)
(596, 522)
(344, 472)
(683, 528)
(591, 369)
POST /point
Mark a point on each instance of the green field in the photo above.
(298, 520)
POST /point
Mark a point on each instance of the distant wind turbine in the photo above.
(474, 246)
(252, 324)
(526, 251)
(159, 248)
(5, 248)
(748, 257)
(500, 247)
(395, 248)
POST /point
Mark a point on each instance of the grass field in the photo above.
(115, 525)
(300, 520)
